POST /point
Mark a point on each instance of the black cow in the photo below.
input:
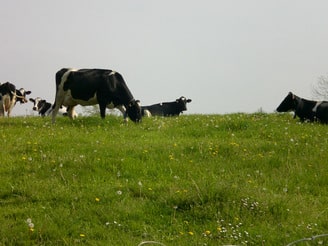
(166, 108)
(44, 108)
(305, 109)
(9, 96)
(94, 86)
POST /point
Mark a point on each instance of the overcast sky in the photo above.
(227, 56)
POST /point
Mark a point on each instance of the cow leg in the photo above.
(57, 104)
(55, 109)
(74, 114)
(2, 111)
(146, 113)
(123, 111)
(102, 108)
(71, 112)
(8, 105)
(9, 110)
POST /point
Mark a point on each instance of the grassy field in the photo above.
(242, 179)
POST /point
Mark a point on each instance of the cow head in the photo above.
(21, 95)
(288, 104)
(37, 103)
(182, 102)
(133, 110)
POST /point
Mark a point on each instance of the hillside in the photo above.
(243, 179)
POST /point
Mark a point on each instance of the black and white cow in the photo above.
(166, 108)
(94, 86)
(9, 96)
(44, 108)
(306, 110)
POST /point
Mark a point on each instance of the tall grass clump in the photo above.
(242, 179)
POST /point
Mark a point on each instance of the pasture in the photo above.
(242, 179)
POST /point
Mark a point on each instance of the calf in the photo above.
(9, 96)
(167, 108)
(305, 109)
(44, 108)
(94, 86)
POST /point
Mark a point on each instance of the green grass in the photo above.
(244, 179)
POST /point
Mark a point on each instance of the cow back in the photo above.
(7, 89)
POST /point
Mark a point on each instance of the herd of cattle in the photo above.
(106, 88)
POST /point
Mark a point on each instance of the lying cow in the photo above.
(167, 108)
(44, 108)
(305, 109)
(9, 96)
(94, 86)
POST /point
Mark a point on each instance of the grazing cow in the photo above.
(167, 108)
(94, 86)
(305, 109)
(44, 108)
(9, 96)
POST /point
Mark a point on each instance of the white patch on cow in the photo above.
(316, 107)
(112, 73)
(147, 113)
(64, 77)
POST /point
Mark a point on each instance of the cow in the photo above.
(166, 108)
(94, 86)
(44, 108)
(9, 96)
(306, 110)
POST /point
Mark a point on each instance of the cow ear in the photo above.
(188, 100)
(292, 95)
(28, 92)
(32, 100)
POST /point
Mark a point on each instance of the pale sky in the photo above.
(226, 55)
